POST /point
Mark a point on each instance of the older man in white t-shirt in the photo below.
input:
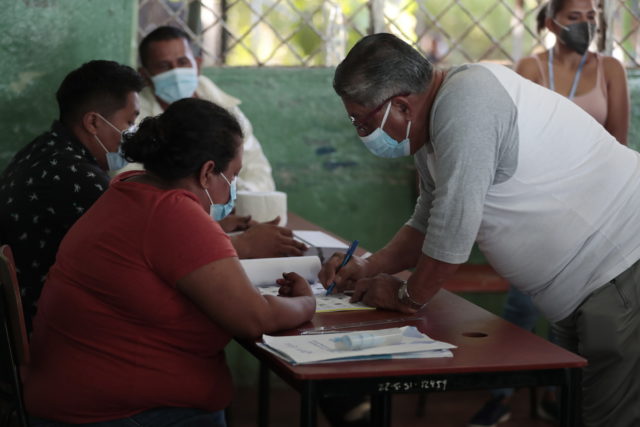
(551, 198)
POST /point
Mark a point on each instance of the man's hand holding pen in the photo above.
(342, 270)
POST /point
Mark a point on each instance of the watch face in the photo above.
(403, 295)
(402, 292)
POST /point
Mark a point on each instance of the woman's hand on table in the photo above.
(267, 240)
(233, 223)
(294, 285)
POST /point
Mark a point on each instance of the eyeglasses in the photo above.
(359, 123)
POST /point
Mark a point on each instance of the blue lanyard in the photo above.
(576, 78)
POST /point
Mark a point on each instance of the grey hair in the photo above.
(378, 67)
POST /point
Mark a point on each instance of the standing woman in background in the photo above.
(598, 84)
(595, 82)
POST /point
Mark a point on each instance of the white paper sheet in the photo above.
(320, 243)
(265, 271)
(319, 239)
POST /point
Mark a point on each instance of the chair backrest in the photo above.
(13, 305)
(14, 330)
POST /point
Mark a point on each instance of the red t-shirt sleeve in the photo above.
(181, 237)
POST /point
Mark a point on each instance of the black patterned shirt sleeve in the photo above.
(47, 186)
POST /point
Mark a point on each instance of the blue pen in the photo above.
(346, 259)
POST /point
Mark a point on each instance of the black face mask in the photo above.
(578, 36)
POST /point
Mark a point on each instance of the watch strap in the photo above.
(405, 298)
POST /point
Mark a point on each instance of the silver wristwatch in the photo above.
(405, 298)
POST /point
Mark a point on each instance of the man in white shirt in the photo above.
(172, 73)
(551, 198)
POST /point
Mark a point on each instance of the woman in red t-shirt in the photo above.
(147, 289)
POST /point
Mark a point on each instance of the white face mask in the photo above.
(382, 145)
(115, 161)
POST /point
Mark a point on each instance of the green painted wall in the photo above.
(42, 41)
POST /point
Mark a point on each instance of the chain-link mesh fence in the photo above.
(320, 32)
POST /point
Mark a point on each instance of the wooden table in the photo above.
(491, 353)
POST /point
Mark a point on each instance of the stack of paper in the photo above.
(301, 349)
(320, 243)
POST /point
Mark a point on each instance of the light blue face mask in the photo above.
(115, 160)
(382, 145)
(218, 211)
(175, 84)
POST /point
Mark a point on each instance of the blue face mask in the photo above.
(175, 84)
(218, 211)
(115, 161)
(382, 145)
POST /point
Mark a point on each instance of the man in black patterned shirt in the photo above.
(52, 181)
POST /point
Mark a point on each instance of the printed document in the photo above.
(324, 303)
(263, 273)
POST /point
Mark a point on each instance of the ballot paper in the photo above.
(320, 243)
(324, 303)
(301, 349)
(263, 273)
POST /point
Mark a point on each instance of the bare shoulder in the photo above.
(613, 69)
(528, 68)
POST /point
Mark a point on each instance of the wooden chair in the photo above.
(14, 330)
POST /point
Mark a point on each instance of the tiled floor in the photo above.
(451, 409)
